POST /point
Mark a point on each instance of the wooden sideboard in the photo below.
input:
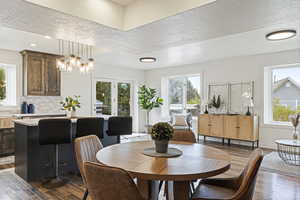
(236, 127)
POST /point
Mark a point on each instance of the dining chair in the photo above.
(184, 136)
(236, 188)
(110, 183)
(86, 148)
(90, 126)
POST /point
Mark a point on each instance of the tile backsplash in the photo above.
(44, 104)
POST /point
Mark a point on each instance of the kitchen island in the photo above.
(36, 162)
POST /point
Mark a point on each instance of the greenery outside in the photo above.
(282, 112)
(123, 99)
(2, 84)
(103, 94)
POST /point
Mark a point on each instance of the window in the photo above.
(282, 92)
(184, 95)
(7, 85)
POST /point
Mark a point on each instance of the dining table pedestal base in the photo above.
(175, 190)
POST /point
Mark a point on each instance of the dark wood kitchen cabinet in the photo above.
(40, 75)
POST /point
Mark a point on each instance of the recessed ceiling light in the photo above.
(47, 37)
(147, 59)
(33, 45)
(281, 35)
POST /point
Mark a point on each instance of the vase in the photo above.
(71, 114)
(295, 135)
(161, 146)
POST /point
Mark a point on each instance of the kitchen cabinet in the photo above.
(7, 136)
(40, 75)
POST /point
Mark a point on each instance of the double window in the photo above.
(282, 92)
(184, 94)
(8, 85)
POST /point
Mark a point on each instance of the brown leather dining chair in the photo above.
(187, 136)
(109, 183)
(237, 188)
(85, 150)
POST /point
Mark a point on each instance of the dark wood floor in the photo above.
(269, 185)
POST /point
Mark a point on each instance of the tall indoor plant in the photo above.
(148, 100)
(70, 104)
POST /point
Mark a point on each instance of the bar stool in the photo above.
(90, 126)
(118, 126)
(54, 132)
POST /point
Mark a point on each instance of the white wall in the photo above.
(236, 69)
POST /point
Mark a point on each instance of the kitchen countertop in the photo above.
(35, 121)
(39, 115)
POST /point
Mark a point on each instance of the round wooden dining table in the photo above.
(196, 162)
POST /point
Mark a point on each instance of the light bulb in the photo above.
(78, 61)
(73, 60)
(91, 63)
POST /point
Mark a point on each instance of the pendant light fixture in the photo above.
(82, 59)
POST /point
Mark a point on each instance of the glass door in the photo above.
(112, 97)
(103, 104)
(124, 98)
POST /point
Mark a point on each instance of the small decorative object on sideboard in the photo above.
(215, 103)
(70, 104)
(294, 119)
(161, 133)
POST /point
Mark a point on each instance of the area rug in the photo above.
(272, 162)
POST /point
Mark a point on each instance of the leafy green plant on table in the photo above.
(70, 103)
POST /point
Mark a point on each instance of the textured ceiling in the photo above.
(123, 2)
(171, 37)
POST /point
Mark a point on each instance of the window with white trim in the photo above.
(282, 93)
(8, 85)
(184, 94)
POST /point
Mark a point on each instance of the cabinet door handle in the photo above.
(238, 127)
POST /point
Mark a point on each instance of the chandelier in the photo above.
(75, 56)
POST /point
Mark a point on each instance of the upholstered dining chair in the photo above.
(237, 188)
(184, 136)
(109, 183)
(85, 150)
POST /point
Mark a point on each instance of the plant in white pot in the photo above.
(70, 104)
(149, 100)
(161, 133)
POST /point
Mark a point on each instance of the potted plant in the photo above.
(148, 100)
(70, 104)
(161, 133)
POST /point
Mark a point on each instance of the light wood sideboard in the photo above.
(235, 127)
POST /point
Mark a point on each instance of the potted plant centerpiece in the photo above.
(70, 104)
(161, 133)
